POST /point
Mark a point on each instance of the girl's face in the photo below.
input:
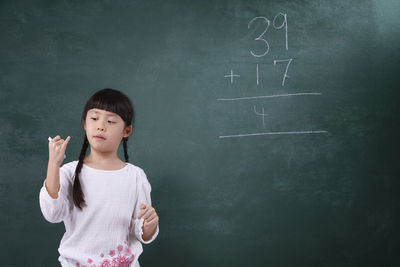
(105, 130)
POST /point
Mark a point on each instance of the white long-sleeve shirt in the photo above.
(107, 231)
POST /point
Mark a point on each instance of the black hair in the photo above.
(113, 101)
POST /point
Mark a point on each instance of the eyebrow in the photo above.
(107, 113)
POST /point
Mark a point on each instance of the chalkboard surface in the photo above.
(268, 129)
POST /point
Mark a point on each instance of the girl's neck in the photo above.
(110, 161)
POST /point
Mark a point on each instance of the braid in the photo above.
(125, 140)
(77, 189)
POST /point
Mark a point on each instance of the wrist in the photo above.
(148, 232)
(53, 164)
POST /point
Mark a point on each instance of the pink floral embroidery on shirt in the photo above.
(122, 261)
(124, 258)
(105, 263)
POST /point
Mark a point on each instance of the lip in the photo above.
(99, 137)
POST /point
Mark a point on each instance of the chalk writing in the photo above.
(279, 22)
(231, 76)
(261, 114)
(287, 67)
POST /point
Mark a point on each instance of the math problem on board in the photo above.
(279, 23)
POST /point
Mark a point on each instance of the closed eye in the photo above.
(108, 121)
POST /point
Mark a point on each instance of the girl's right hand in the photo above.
(57, 147)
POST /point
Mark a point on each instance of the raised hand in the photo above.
(57, 147)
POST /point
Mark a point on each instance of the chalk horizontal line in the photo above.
(265, 96)
(273, 133)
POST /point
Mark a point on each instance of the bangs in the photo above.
(112, 101)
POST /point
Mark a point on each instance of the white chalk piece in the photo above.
(52, 139)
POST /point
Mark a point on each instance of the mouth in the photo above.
(99, 137)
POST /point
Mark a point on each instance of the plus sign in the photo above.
(232, 75)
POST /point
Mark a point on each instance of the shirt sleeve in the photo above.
(56, 210)
(143, 196)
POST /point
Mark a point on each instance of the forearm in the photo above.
(52, 182)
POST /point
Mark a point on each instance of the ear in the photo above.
(128, 131)
(84, 124)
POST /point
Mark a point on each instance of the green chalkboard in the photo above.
(268, 129)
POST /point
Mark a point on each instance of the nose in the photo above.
(100, 126)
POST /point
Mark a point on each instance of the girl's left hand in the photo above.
(150, 220)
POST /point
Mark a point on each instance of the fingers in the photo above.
(151, 217)
(150, 223)
(64, 145)
(153, 221)
(55, 139)
(147, 211)
(58, 141)
(144, 211)
(57, 147)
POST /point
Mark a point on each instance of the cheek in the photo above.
(116, 134)
(87, 126)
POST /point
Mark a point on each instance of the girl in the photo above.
(104, 203)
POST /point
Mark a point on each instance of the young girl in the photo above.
(104, 203)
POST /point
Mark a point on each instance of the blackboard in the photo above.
(268, 129)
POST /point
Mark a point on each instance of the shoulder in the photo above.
(139, 174)
(70, 165)
(69, 168)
